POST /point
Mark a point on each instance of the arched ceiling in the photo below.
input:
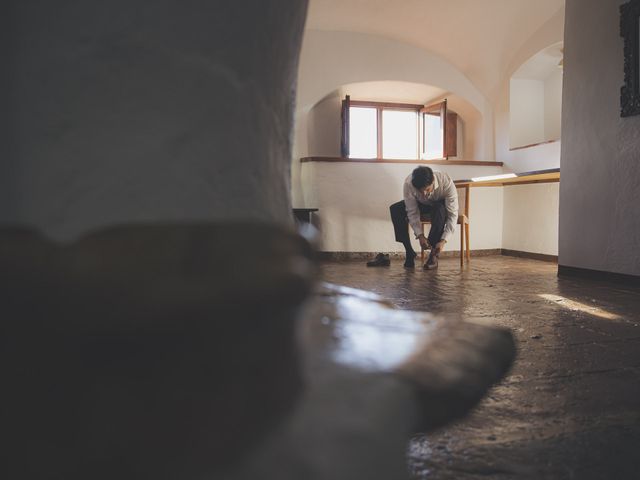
(479, 37)
(542, 64)
(392, 91)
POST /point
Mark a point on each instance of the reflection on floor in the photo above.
(570, 408)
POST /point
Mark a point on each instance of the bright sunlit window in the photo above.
(433, 134)
(397, 131)
(400, 134)
(383, 132)
(362, 132)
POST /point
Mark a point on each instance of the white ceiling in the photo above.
(392, 91)
(479, 37)
(542, 65)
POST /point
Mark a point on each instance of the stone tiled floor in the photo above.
(570, 407)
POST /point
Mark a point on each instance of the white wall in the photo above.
(324, 128)
(535, 109)
(531, 218)
(486, 218)
(354, 200)
(543, 156)
(470, 128)
(599, 194)
(553, 105)
(540, 157)
(526, 119)
(519, 234)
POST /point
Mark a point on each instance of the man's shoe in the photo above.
(431, 263)
(410, 261)
(381, 260)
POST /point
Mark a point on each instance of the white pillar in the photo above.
(135, 111)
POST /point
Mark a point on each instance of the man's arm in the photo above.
(413, 212)
(451, 205)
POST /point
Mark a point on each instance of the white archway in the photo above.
(331, 59)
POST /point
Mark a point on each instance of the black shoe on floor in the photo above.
(381, 260)
(431, 263)
(410, 261)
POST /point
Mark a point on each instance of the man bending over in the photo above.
(429, 193)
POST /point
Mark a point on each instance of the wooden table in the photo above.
(539, 176)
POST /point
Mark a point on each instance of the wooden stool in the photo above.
(463, 221)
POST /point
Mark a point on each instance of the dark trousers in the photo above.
(436, 212)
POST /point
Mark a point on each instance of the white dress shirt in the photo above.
(443, 189)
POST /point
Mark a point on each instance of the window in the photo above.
(400, 134)
(397, 131)
(363, 121)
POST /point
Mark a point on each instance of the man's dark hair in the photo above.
(422, 177)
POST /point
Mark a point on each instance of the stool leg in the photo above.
(466, 234)
(422, 249)
(461, 245)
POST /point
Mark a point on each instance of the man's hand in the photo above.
(440, 246)
(424, 243)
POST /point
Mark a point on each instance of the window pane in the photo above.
(363, 132)
(399, 134)
(433, 136)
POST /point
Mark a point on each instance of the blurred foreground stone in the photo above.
(188, 351)
(146, 351)
(374, 376)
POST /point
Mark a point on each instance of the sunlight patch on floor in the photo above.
(582, 307)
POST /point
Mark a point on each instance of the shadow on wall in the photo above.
(323, 126)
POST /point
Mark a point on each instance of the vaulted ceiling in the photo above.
(479, 37)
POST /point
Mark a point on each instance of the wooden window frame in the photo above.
(449, 141)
